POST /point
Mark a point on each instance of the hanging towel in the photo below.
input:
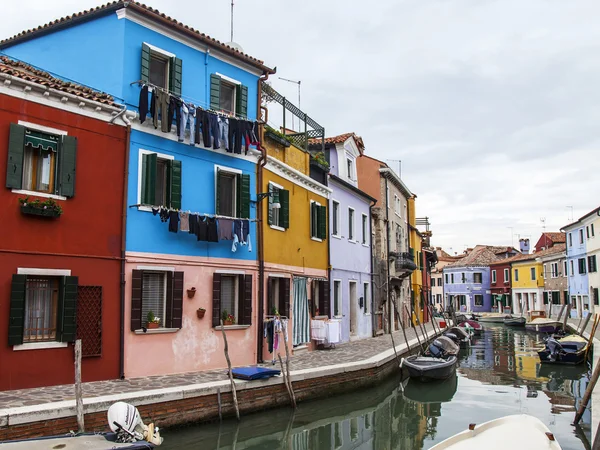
(193, 220)
(202, 229)
(213, 232)
(225, 229)
(184, 221)
(173, 221)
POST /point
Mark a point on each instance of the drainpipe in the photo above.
(373, 316)
(262, 161)
(123, 242)
(387, 262)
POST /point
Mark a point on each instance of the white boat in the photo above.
(517, 432)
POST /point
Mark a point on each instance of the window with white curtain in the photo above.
(41, 303)
(229, 295)
(154, 296)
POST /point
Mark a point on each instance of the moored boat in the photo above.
(517, 432)
(472, 324)
(442, 347)
(515, 322)
(566, 350)
(459, 336)
(427, 368)
(494, 318)
(543, 325)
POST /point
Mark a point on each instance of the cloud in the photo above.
(492, 106)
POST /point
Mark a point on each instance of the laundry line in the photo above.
(210, 215)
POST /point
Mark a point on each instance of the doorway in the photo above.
(353, 309)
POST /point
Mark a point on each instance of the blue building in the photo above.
(145, 58)
(577, 267)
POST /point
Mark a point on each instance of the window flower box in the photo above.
(277, 138)
(37, 207)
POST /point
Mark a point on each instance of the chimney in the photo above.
(524, 246)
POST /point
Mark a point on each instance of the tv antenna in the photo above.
(231, 21)
(399, 172)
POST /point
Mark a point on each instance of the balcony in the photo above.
(404, 263)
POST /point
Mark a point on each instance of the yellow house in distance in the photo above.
(416, 278)
(527, 279)
(294, 232)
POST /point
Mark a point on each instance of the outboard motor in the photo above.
(452, 336)
(124, 419)
(435, 351)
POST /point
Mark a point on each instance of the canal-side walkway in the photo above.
(347, 363)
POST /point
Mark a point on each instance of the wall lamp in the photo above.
(262, 195)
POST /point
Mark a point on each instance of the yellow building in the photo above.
(416, 278)
(294, 231)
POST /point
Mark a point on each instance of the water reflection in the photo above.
(498, 375)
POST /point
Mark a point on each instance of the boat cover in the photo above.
(446, 344)
(254, 373)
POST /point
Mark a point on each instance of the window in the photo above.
(159, 293)
(592, 267)
(349, 168)
(233, 193)
(570, 239)
(365, 229)
(440, 283)
(232, 295)
(494, 276)
(319, 300)
(354, 429)
(595, 296)
(451, 278)
(506, 276)
(41, 161)
(366, 298)
(516, 274)
(554, 270)
(279, 206)
(581, 236)
(229, 95)
(582, 266)
(42, 309)
(160, 180)
(405, 215)
(350, 224)
(532, 273)
(161, 68)
(478, 300)
(397, 206)
(318, 221)
(335, 218)
(337, 295)
(587, 231)
(438, 298)
(565, 268)
(572, 267)
(477, 277)
(463, 278)
(446, 276)
(592, 229)
(278, 296)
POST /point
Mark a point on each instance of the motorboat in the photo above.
(517, 432)
(442, 347)
(472, 325)
(515, 321)
(459, 335)
(428, 368)
(494, 318)
(128, 432)
(566, 350)
(543, 325)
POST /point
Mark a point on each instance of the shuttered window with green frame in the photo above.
(66, 316)
(174, 69)
(281, 197)
(241, 193)
(318, 221)
(241, 96)
(64, 165)
(169, 184)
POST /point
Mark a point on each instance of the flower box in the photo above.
(40, 211)
(200, 313)
(228, 322)
(152, 325)
(276, 138)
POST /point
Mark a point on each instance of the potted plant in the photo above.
(191, 292)
(277, 136)
(200, 312)
(153, 321)
(320, 160)
(228, 319)
(38, 207)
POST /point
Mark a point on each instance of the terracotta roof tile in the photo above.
(482, 255)
(556, 237)
(340, 139)
(145, 10)
(528, 256)
(26, 72)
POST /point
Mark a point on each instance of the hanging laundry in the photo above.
(143, 103)
(225, 229)
(187, 114)
(163, 214)
(184, 221)
(224, 132)
(269, 334)
(203, 126)
(193, 220)
(173, 221)
(160, 106)
(202, 229)
(174, 113)
(213, 233)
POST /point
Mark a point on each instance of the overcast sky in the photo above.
(493, 106)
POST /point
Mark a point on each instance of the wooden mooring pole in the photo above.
(287, 367)
(233, 391)
(588, 394)
(585, 324)
(78, 389)
(392, 332)
(401, 322)
(562, 309)
(567, 313)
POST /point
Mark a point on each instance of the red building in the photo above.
(62, 238)
(500, 285)
(550, 239)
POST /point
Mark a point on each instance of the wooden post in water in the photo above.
(233, 391)
(439, 330)
(596, 444)
(287, 365)
(423, 329)
(392, 335)
(585, 324)
(219, 403)
(588, 394)
(401, 322)
(567, 312)
(591, 339)
(78, 390)
(414, 328)
(562, 308)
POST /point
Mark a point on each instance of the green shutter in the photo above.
(545, 298)
(215, 92)
(148, 179)
(218, 193)
(176, 184)
(145, 63)
(284, 212)
(271, 201)
(14, 167)
(67, 158)
(175, 69)
(16, 317)
(245, 196)
(322, 221)
(241, 95)
(67, 326)
(238, 195)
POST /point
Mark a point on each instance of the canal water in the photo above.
(499, 375)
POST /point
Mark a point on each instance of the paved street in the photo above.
(344, 353)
